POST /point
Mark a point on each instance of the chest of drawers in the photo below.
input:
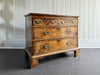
(48, 34)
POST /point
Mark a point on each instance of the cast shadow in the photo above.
(53, 57)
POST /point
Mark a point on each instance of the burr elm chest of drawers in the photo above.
(48, 34)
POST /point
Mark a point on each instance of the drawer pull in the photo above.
(74, 22)
(53, 22)
(45, 33)
(69, 43)
(63, 22)
(68, 31)
(38, 22)
(46, 46)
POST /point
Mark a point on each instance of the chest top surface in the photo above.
(52, 15)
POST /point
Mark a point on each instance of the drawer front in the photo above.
(42, 47)
(54, 32)
(68, 22)
(67, 43)
(45, 21)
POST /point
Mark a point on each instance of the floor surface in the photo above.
(12, 63)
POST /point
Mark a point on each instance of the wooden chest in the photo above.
(48, 34)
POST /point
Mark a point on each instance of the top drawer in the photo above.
(45, 21)
(55, 21)
(68, 21)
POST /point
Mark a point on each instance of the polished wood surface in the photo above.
(45, 21)
(54, 32)
(54, 21)
(52, 15)
(54, 45)
(48, 34)
(68, 22)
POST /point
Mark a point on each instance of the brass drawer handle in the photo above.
(74, 22)
(68, 31)
(63, 22)
(38, 22)
(46, 46)
(69, 43)
(45, 33)
(53, 22)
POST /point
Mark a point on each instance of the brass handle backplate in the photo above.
(45, 33)
(46, 46)
(68, 31)
(38, 22)
(74, 22)
(53, 22)
(69, 43)
(63, 22)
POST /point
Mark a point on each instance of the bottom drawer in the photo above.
(47, 46)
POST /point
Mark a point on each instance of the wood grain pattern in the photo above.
(54, 45)
(57, 52)
(45, 21)
(48, 34)
(34, 62)
(39, 47)
(68, 21)
(57, 21)
(77, 53)
(41, 26)
(54, 32)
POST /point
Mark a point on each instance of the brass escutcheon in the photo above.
(58, 40)
(58, 28)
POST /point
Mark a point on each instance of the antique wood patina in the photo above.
(48, 34)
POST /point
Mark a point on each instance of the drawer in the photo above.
(67, 43)
(47, 46)
(45, 21)
(54, 32)
(68, 22)
(41, 47)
